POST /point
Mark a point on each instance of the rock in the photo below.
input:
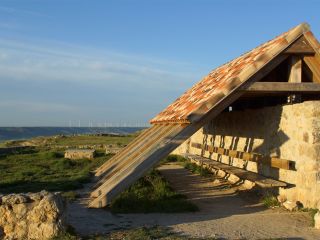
(32, 216)
(248, 184)
(12, 199)
(290, 205)
(281, 198)
(317, 220)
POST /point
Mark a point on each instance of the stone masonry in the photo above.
(289, 132)
(32, 216)
(80, 153)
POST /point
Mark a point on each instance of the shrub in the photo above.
(151, 193)
(194, 168)
(270, 201)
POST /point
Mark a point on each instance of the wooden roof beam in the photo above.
(282, 87)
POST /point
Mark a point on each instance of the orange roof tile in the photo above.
(226, 78)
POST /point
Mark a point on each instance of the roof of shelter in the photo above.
(222, 81)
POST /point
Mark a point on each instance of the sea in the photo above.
(19, 133)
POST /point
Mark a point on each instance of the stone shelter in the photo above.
(255, 119)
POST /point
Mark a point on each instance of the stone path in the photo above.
(224, 213)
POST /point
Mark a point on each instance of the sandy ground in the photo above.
(224, 213)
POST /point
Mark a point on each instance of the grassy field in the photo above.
(49, 170)
(63, 141)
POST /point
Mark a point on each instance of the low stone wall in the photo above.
(32, 216)
(289, 132)
(80, 153)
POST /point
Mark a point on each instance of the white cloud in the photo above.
(59, 62)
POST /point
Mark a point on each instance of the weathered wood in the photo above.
(314, 65)
(127, 150)
(258, 179)
(139, 165)
(126, 162)
(295, 69)
(253, 157)
(300, 47)
(282, 87)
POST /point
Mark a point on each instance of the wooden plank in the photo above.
(100, 170)
(295, 69)
(260, 180)
(133, 171)
(125, 152)
(301, 46)
(250, 156)
(314, 65)
(282, 87)
(126, 162)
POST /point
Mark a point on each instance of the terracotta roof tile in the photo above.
(224, 79)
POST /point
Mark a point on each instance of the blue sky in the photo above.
(123, 61)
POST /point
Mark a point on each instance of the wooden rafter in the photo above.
(282, 87)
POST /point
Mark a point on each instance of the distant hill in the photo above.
(16, 133)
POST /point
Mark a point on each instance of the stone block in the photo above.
(32, 216)
(290, 205)
(79, 154)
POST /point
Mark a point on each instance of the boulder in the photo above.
(32, 216)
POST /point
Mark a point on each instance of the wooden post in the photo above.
(295, 76)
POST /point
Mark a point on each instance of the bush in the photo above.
(151, 193)
(270, 201)
(173, 158)
(194, 168)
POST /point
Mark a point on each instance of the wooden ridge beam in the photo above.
(285, 87)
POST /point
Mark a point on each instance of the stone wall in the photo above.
(79, 154)
(32, 216)
(289, 132)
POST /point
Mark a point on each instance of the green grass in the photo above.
(93, 140)
(194, 168)
(151, 193)
(45, 170)
(173, 158)
(73, 141)
(270, 201)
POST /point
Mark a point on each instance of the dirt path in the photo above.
(223, 213)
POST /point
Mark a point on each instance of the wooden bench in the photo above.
(243, 174)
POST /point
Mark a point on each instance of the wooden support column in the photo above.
(295, 76)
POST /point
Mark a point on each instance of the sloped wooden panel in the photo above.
(129, 167)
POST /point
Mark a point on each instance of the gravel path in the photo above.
(224, 213)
